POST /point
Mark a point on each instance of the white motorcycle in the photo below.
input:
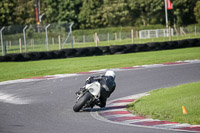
(88, 97)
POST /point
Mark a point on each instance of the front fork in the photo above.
(80, 93)
(91, 103)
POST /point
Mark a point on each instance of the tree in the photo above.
(147, 11)
(6, 11)
(24, 12)
(90, 14)
(62, 10)
(100, 13)
(115, 13)
(197, 12)
(184, 11)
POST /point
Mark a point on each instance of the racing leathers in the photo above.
(107, 87)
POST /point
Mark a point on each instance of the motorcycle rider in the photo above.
(107, 82)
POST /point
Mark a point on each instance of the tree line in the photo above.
(89, 14)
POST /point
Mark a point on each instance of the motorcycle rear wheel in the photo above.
(81, 102)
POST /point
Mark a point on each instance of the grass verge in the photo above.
(166, 104)
(18, 70)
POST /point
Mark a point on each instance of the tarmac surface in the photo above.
(44, 104)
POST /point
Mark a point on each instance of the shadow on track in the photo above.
(104, 109)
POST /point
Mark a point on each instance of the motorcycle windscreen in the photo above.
(94, 88)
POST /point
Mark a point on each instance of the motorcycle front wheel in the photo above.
(82, 101)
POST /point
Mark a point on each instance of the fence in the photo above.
(117, 36)
(15, 39)
(135, 37)
(21, 39)
(143, 34)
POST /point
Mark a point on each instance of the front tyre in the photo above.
(82, 101)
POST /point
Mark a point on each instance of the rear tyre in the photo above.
(81, 102)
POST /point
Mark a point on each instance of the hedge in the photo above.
(105, 50)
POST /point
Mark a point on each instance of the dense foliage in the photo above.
(88, 14)
(197, 11)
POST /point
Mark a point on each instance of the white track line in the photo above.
(12, 99)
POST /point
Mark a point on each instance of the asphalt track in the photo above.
(45, 106)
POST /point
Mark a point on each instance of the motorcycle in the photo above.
(88, 97)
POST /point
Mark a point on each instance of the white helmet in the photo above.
(110, 73)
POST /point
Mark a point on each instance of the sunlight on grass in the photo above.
(18, 70)
(166, 104)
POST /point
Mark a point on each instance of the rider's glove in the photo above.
(88, 80)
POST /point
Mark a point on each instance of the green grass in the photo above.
(19, 70)
(166, 104)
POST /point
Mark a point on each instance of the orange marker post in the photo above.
(184, 110)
